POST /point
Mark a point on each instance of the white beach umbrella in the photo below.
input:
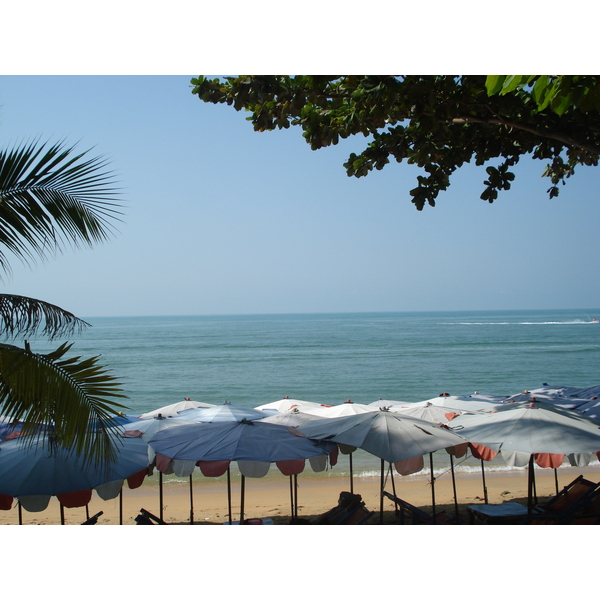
(533, 433)
(286, 404)
(291, 418)
(563, 402)
(381, 403)
(339, 410)
(172, 410)
(342, 410)
(385, 434)
(461, 403)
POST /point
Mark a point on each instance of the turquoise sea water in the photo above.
(329, 358)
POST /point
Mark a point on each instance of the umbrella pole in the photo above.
(454, 485)
(432, 487)
(191, 501)
(351, 476)
(87, 512)
(292, 496)
(242, 500)
(20, 514)
(530, 490)
(381, 495)
(62, 514)
(160, 493)
(556, 479)
(296, 496)
(229, 494)
(485, 494)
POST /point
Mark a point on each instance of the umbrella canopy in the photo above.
(462, 403)
(286, 404)
(529, 430)
(291, 418)
(146, 428)
(388, 435)
(37, 468)
(341, 410)
(381, 403)
(591, 409)
(222, 413)
(233, 440)
(562, 402)
(427, 412)
(172, 410)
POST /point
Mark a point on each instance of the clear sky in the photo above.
(219, 219)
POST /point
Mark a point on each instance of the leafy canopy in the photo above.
(52, 196)
(437, 122)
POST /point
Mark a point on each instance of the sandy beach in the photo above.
(271, 497)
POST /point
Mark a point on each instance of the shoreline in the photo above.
(271, 497)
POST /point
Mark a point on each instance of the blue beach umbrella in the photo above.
(40, 468)
(242, 441)
(222, 413)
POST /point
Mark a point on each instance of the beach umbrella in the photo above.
(222, 413)
(286, 404)
(252, 444)
(145, 429)
(560, 401)
(291, 418)
(172, 410)
(33, 470)
(525, 435)
(342, 410)
(433, 414)
(388, 435)
(381, 403)
(462, 403)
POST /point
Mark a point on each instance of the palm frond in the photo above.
(52, 196)
(26, 317)
(66, 393)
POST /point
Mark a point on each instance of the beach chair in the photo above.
(145, 518)
(406, 513)
(576, 503)
(351, 510)
(93, 520)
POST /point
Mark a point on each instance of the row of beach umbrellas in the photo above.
(545, 425)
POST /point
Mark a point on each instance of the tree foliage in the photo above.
(437, 122)
(52, 196)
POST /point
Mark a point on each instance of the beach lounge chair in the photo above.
(145, 518)
(406, 513)
(93, 520)
(576, 503)
(351, 510)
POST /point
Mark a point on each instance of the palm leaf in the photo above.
(50, 197)
(63, 392)
(22, 316)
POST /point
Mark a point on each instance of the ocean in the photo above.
(251, 360)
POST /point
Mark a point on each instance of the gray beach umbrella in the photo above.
(385, 434)
(522, 433)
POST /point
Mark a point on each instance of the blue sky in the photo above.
(219, 219)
